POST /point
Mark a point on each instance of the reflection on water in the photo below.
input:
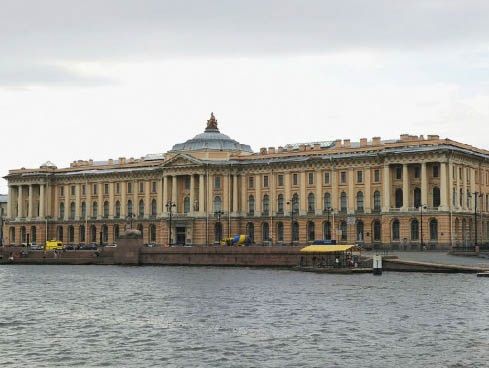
(222, 317)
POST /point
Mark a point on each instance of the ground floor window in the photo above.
(280, 232)
(433, 230)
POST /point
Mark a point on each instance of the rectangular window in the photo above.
(327, 178)
(377, 176)
(265, 181)
(359, 177)
(94, 189)
(398, 172)
(417, 170)
(61, 191)
(84, 189)
(186, 183)
(343, 177)
(73, 190)
(217, 182)
(460, 173)
(436, 171)
(106, 188)
(280, 180)
(295, 179)
(310, 178)
(117, 188)
(141, 187)
(251, 182)
(153, 187)
(129, 188)
(467, 174)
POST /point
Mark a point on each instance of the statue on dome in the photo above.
(212, 123)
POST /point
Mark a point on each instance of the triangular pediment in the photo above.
(181, 160)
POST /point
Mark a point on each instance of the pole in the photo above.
(475, 217)
(421, 208)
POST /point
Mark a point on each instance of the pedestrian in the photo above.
(337, 262)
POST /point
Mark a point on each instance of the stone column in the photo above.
(201, 194)
(258, 196)
(244, 197)
(405, 187)
(174, 196)
(387, 188)
(302, 193)
(77, 202)
(159, 197)
(135, 202)
(100, 200)
(56, 201)
(443, 186)
(192, 193)
(225, 193)
(472, 188)
(287, 194)
(88, 202)
(30, 212)
(334, 190)
(424, 185)
(42, 201)
(235, 194)
(165, 192)
(464, 187)
(319, 192)
(351, 191)
(123, 201)
(367, 199)
(457, 202)
(210, 188)
(9, 202)
(20, 202)
(111, 199)
(147, 198)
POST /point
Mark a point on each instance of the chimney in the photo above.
(375, 141)
(337, 143)
(317, 147)
(280, 149)
(363, 142)
(271, 150)
(433, 137)
(122, 160)
(404, 137)
(302, 147)
(90, 162)
(263, 151)
(346, 143)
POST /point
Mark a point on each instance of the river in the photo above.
(109, 316)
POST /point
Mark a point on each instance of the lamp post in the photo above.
(328, 212)
(476, 196)
(218, 215)
(421, 207)
(169, 208)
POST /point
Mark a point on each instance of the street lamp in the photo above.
(218, 215)
(421, 208)
(476, 196)
(169, 208)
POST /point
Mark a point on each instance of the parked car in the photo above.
(35, 246)
(151, 245)
(70, 247)
(92, 246)
(111, 245)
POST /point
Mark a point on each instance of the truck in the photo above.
(53, 245)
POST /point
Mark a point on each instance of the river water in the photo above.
(60, 316)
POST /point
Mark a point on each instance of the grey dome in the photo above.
(213, 140)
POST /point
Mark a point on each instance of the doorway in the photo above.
(180, 232)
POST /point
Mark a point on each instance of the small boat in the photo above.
(483, 274)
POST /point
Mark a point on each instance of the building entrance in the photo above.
(180, 232)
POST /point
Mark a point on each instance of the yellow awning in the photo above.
(336, 248)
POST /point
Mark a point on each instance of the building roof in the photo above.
(212, 140)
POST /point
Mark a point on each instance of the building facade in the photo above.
(3, 214)
(404, 192)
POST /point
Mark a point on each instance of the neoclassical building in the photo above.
(403, 192)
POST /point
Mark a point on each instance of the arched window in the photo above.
(116, 232)
(129, 208)
(186, 205)
(61, 210)
(265, 231)
(311, 234)
(105, 234)
(82, 234)
(141, 208)
(344, 230)
(217, 203)
(72, 210)
(377, 231)
(396, 230)
(327, 201)
(399, 198)
(436, 197)
(59, 233)
(360, 236)
(311, 203)
(327, 230)
(250, 231)
(106, 209)
(93, 234)
(266, 205)
(377, 201)
(417, 198)
(12, 235)
(280, 204)
(343, 202)
(360, 201)
(280, 231)
(251, 205)
(83, 210)
(117, 209)
(33, 234)
(295, 203)
(95, 209)
(433, 230)
(152, 233)
(295, 231)
(71, 234)
(415, 230)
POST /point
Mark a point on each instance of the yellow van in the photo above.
(53, 245)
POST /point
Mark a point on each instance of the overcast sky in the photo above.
(108, 78)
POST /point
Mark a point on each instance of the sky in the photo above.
(105, 79)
